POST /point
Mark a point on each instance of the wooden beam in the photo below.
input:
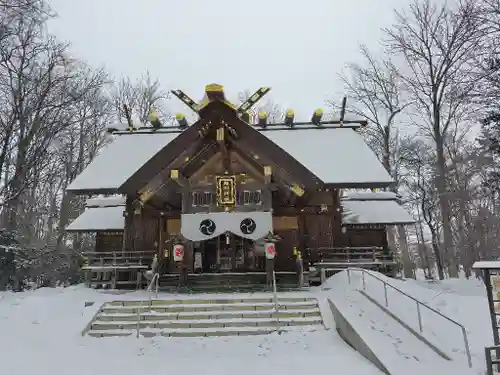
(186, 100)
(179, 179)
(268, 174)
(221, 140)
(282, 176)
(250, 102)
(146, 193)
(162, 178)
(196, 162)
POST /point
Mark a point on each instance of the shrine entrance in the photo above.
(228, 253)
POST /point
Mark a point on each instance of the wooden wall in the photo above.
(366, 237)
(287, 227)
(142, 231)
(321, 229)
(109, 241)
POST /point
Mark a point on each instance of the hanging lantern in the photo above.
(178, 252)
(270, 250)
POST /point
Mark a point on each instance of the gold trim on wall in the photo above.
(173, 226)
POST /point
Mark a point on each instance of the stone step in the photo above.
(209, 307)
(206, 323)
(203, 317)
(217, 300)
(205, 332)
(207, 315)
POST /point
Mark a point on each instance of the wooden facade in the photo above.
(193, 174)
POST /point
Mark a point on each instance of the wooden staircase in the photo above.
(197, 317)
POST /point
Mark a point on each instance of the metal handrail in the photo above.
(140, 308)
(419, 304)
(275, 292)
(275, 297)
(155, 281)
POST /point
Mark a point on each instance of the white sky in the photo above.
(295, 47)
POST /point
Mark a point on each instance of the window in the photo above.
(203, 198)
(251, 197)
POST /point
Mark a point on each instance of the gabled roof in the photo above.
(119, 160)
(335, 155)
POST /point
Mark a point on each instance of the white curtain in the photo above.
(251, 225)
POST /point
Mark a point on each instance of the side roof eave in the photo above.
(99, 219)
(157, 163)
(118, 161)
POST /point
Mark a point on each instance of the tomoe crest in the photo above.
(207, 227)
(248, 226)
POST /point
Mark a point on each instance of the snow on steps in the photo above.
(204, 317)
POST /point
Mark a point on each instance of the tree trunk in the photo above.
(444, 205)
(405, 254)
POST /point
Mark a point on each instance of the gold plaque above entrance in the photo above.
(226, 191)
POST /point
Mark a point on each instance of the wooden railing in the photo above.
(114, 268)
(118, 258)
(372, 255)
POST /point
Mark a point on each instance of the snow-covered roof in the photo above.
(370, 196)
(334, 155)
(96, 219)
(375, 212)
(118, 161)
(489, 264)
(102, 201)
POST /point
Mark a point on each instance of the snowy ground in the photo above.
(40, 332)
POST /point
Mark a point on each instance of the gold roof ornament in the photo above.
(213, 92)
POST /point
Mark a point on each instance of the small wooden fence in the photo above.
(114, 268)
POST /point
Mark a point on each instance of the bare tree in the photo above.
(418, 175)
(37, 84)
(440, 47)
(141, 96)
(374, 92)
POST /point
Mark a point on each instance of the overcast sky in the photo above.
(295, 47)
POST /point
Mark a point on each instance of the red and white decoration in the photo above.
(270, 250)
(178, 253)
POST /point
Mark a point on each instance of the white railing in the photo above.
(419, 305)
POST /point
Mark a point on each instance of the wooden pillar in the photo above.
(303, 234)
(128, 222)
(300, 272)
(232, 244)
(269, 271)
